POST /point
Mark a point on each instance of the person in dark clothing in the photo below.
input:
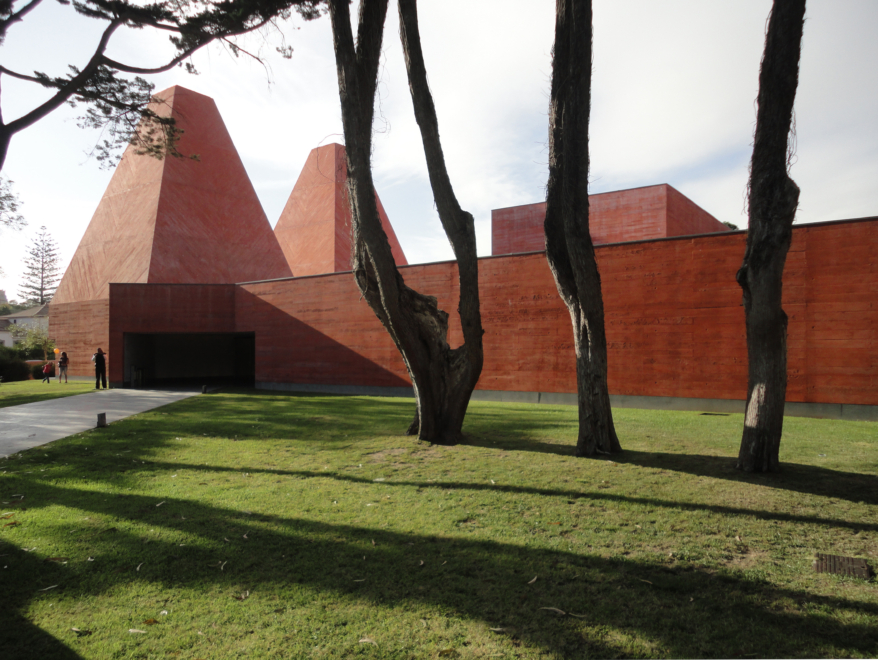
(100, 369)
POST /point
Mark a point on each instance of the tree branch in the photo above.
(16, 17)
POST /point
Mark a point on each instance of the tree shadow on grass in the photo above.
(810, 479)
(569, 494)
(678, 611)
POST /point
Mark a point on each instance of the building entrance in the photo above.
(186, 359)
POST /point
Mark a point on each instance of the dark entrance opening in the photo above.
(189, 359)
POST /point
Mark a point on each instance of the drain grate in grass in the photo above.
(850, 566)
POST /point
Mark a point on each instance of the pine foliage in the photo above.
(42, 271)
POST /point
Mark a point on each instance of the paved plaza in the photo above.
(34, 424)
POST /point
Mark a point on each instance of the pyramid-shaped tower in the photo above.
(314, 230)
(177, 220)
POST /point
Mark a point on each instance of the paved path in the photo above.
(34, 424)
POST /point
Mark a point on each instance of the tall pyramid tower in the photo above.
(177, 220)
(314, 229)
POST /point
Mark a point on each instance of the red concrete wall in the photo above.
(314, 229)
(675, 324)
(686, 218)
(177, 220)
(154, 308)
(79, 329)
(614, 217)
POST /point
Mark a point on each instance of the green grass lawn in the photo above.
(261, 525)
(29, 391)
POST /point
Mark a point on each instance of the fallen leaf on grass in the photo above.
(534, 580)
(578, 616)
(422, 563)
(135, 630)
(642, 580)
(497, 629)
(14, 523)
(7, 515)
(554, 609)
(81, 633)
(555, 523)
(243, 596)
(367, 640)
(47, 588)
(139, 565)
(151, 622)
(62, 560)
(447, 652)
(160, 503)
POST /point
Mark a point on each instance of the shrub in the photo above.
(12, 367)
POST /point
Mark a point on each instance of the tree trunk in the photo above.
(568, 243)
(443, 378)
(773, 198)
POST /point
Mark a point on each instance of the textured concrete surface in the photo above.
(314, 229)
(614, 217)
(177, 220)
(35, 424)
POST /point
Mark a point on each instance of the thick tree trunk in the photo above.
(568, 243)
(443, 378)
(773, 198)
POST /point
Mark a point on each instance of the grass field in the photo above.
(29, 391)
(259, 525)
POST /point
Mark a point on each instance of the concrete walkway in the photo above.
(34, 424)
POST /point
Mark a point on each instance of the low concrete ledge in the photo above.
(844, 411)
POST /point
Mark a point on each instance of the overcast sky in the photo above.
(673, 102)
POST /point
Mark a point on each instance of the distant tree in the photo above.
(42, 271)
(443, 378)
(569, 247)
(10, 218)
(773, 199)
(117, 104)
(30, 339)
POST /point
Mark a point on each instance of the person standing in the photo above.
(100, 361)
(63, 362)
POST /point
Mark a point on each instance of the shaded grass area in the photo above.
(30, 391)
(264, 525)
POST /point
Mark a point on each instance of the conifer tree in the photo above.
(42, 271)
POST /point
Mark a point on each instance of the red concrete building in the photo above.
(614, 217)
(675, 323)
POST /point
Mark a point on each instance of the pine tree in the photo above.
(42, 272)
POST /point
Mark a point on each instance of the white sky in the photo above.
(673, 102)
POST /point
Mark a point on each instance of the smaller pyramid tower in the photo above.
(314, 230)
(177, 220)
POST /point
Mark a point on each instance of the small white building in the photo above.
(34, 317)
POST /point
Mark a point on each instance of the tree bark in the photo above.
(773, 198)
(443, 378)
(569, 247)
